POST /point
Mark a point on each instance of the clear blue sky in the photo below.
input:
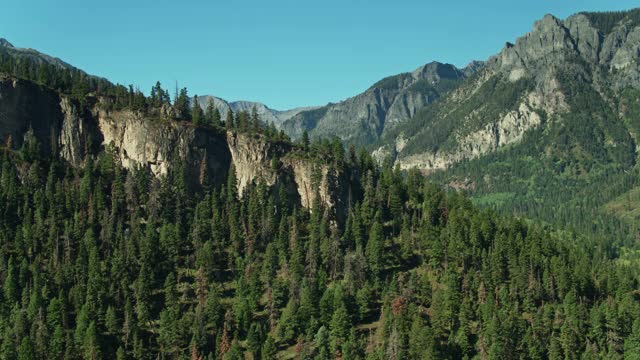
(283, 53)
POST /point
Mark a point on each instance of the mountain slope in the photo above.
(363, 118)
(31, 55)
(548, 128)
(521, 86)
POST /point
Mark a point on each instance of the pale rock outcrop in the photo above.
(332, 187)
(74, 133)
(257, 160)
(251, 157)
(77, 132)
(508, 129)
(160, 144)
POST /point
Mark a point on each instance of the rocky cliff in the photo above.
(74, 132)
(160, 144)
(278, 164)
(55, 120)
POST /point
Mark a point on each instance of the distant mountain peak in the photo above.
(5, 43)
(267, 114)
(435, 70)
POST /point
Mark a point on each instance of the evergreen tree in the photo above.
(305, 141)
(181, 105)
(375, 249)
(229, 121)
(269, 350)
(197, 115)
(212, 114)
(255, 119)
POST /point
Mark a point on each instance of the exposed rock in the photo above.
(74, 133)
(256, 159)
(62, 125)
(473, 67)
(509, 129)
(159, 144)
(332, 187)
(5, 43)
(252, 158)
(383, 152)
(572, 50)
(363, 119)
(24, 107)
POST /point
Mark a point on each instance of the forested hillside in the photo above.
(577, 174)
(147, 227)
(99, 262)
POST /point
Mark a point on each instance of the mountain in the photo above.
(363, 118)
(549, 127)
(131, 236)
(523, 81)
(132, 228)
(32, 55)
(267, 114)
(76, 132)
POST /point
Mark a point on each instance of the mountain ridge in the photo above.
(362, 118)
(267, 114)
(540, 54)
(547, 129)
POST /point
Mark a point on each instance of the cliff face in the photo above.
(331, 183)
(74, 132)
(252, 159)
(160, 144)
(256, 159)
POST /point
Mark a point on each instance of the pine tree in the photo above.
(197, 115)
(229, 121)
(26, 351)
(212, 114)
(339, 326)
(57, 343)
(181, 105)
(305, 141)
(11, 283)
(234, 353)
(255, 119)
(269, 350)
(91, 346)
(375, 249)
(321, 344)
